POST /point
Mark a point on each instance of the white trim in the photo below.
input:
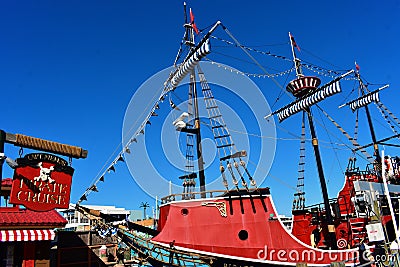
(228, 257)
(26, 235)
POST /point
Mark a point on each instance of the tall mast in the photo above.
(299, 92)
(189, 41)
(296, 60)
(371, 126)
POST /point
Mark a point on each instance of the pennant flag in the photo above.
(157, 106)
(103, 233)
(121, 158)
(154, 114)
(94, 188)
(148, 122)
(127, 150)
(113, 231)
(83, 197)
(111, 168)
(134, 140)
(192, 22)
(357, 66)
(294, 42)
(142, 131)
(101, 178)
(172, 104)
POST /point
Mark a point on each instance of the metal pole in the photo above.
(387, 194)
(2, 141)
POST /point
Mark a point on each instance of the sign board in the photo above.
(42, 182)
(375, 232)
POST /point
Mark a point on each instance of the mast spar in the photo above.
(371, 126)
(308, 92)
(303, 90)
(190, 43)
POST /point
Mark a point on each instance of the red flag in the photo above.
(294, 42)
(357, 66)
(192, 22)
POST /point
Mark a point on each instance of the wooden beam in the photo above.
(45, 145)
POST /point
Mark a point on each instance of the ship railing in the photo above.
(318, 210)
(191, 195)
(166, 256)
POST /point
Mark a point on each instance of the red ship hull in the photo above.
(238, 230)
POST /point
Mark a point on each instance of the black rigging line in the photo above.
(281, 91)
(323, 60)
(330, 141)
(338, 138)
(235, 44)
(345, 99)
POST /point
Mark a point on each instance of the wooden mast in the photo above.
(189, 41)
(330, 227)
(370, 125)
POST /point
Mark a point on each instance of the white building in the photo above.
(79, 222)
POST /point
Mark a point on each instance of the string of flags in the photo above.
(133, 139)
(167, 88)
(169, 85)
(325, 72)
(253, 49)
(314, 68)
(105, 231)
(93, 187)
(255, 75)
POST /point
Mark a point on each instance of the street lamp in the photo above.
(144, 205)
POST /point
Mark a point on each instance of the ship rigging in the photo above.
(236, 224)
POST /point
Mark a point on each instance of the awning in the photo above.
(26, 235)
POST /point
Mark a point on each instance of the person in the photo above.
(379, 254)
(364, 254)
(120, 255)
(110, 257)
(316, 236)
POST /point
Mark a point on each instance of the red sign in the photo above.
(42, 182)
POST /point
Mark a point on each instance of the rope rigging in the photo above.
(231, 162)
(356, 146)
(227, 151)
(385, 116)
(189, 178)
(312, 67)
(299, 196)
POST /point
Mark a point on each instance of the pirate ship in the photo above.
(239, 225)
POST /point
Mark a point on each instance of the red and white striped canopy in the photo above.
(26, 235)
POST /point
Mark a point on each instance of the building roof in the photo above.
(148, 222)
(17, 218)
(108, 210)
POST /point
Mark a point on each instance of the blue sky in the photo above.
(69, 69)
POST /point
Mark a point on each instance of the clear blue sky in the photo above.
(68, 69)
